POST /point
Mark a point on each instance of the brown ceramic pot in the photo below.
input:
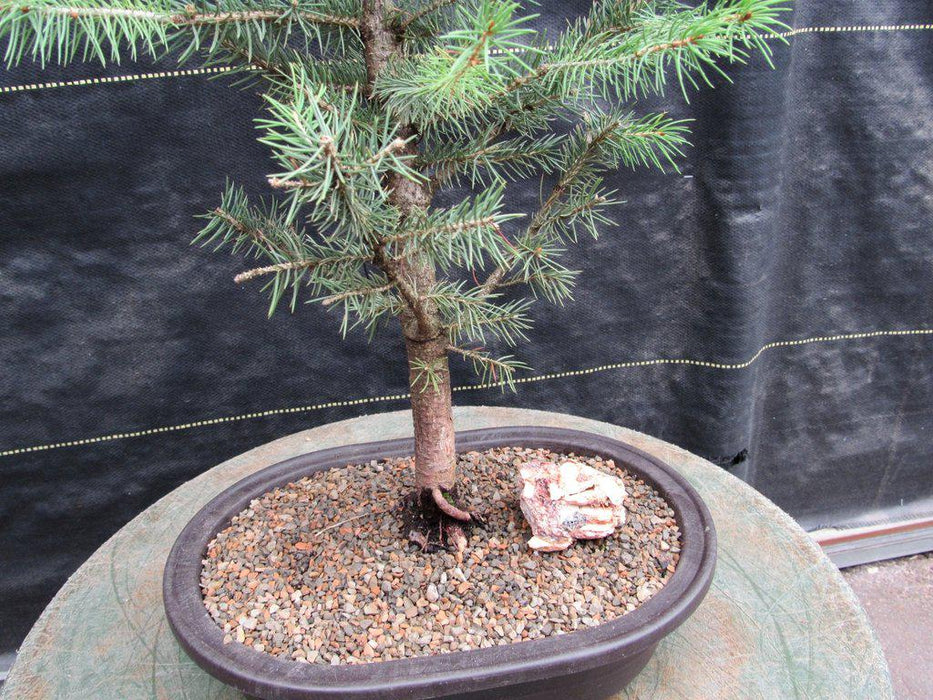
(590, 663)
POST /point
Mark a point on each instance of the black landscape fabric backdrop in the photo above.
(802, 213)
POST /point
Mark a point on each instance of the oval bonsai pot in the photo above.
(590, 663)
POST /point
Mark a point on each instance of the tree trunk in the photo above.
(425, 338)
(432, 413)
(426, 346)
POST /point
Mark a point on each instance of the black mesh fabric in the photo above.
(803, 212)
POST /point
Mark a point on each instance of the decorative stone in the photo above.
(569, 501)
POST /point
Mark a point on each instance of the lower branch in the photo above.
(271, 269)
(356, 293)
(427, 321)
(298, 265)
(192, 18)
(540, 217)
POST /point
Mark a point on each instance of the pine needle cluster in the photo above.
(475, 97)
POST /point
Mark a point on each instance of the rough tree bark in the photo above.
(425, 338)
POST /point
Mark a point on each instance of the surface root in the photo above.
(434, 523)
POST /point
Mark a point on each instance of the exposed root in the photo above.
(449, 508)
(434, 523)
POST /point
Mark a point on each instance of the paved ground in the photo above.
(898, 597)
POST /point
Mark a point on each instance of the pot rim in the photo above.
(265, 675)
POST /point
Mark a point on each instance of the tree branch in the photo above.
(332, 156)
(426, 320)
(193, 18)
(330, 151)
(272, 69)
(457, 326)
(493, 365)
(546, 68)
(424, 11)
(356, 293)
(297, 265)
(255, 233)
(540, 217)
(395, 146)
(493, 132)
(526, 280)
(454, 228)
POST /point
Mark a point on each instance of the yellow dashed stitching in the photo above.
(120, 78)
(469, 387)
(696, 363)
(858, 28)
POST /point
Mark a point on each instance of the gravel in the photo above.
(321, 571)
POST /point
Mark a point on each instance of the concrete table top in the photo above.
(778, 622)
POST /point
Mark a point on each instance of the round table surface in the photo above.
(779, 621)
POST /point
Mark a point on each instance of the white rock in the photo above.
(550, 544)
(570, 501)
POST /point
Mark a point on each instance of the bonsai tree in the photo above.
(374, 110)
